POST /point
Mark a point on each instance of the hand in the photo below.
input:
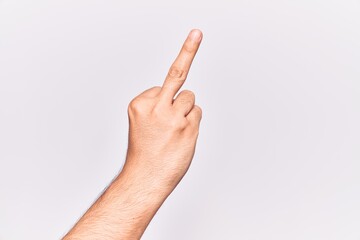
(162, 139)
(162, 130)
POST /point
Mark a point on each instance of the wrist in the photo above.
(146, 181)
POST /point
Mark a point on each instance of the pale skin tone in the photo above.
(163, 130)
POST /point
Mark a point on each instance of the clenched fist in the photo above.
(163, 130)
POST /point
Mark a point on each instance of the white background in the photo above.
(278, 81)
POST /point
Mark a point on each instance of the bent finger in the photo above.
(184, 102)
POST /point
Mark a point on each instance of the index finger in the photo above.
(179, 69)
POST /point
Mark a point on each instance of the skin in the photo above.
(163, 131)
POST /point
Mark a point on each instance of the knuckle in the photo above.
(188, 47)
(132, 105)
(151, 92)
(177, 73)
(178, 123)
(198, 111)
(154, 91)
(185, 101)
(136, 106)
(189, 95)
(157, 110)
(156, 88)
(186, 97)
(183, 123)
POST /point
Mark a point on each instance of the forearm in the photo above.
(124, 210)
(162, 137)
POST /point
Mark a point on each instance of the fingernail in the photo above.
(195, 35)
